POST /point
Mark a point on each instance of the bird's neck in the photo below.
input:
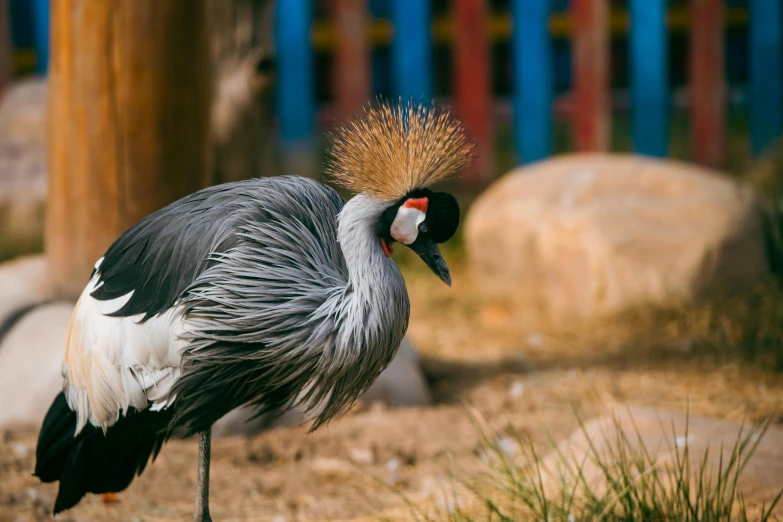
(374, 305)
(370, 271)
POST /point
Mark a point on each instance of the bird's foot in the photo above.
(110, 498)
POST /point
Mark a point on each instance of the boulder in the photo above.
(401, 384)
(22, 167)
(31, 357)
(584, 235)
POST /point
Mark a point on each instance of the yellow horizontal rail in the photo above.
(23, 60)
(499, 26)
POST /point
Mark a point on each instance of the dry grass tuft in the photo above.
(636, 482)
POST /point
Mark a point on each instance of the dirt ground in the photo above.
(368, 464)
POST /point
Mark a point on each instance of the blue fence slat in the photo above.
(649, 77)
(412, 49)
(295, 81)
(41, 34)
(532, 55)
(766, 72)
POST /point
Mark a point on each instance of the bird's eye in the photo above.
(423, 228)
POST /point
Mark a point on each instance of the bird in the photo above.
(270, 293)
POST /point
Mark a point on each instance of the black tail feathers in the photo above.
(92, 462)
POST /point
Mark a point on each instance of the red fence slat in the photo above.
(707, 82)
(474, 99)
(592, 115)
(351, 72)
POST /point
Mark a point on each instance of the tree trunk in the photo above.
(242, 117)
(129, 103)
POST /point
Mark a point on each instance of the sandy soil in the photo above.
(518, 376)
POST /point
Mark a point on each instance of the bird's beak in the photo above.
(429, 252)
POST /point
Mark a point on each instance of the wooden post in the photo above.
(766, 72)
(649, 77)
(533, 81)
(243, 131)
(592, 105)
(473, 76)
(351, 70)
(708, 82)
(129, 102)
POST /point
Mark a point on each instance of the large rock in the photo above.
(30, 375)
(31, 357)
(23, 282)
(584, 235)
(401, 384)
(22, 167)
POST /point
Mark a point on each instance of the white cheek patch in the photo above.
(405, 227)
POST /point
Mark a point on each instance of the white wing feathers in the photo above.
(115, 363)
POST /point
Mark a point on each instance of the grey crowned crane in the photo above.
(268, 293)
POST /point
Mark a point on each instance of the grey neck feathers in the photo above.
(368, 267)
(376, 294)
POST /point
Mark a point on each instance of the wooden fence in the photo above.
(353, 28)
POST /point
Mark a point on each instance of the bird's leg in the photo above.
(201, 513)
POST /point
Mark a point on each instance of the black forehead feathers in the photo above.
(442, 214)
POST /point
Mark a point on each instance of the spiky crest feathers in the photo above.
(390, 150)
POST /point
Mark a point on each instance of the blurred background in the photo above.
(620, 247)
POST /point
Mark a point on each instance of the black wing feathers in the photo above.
(92, 462)
(160, 256)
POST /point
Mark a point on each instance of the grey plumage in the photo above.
(283, 315)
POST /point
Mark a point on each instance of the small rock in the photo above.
(392, 465)
(506, 445)
(362, 456)
(759, 481)
(681, 442)
(20, 450)
(332, 468)
(517, 389)
(38, 498)
(536, 341)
